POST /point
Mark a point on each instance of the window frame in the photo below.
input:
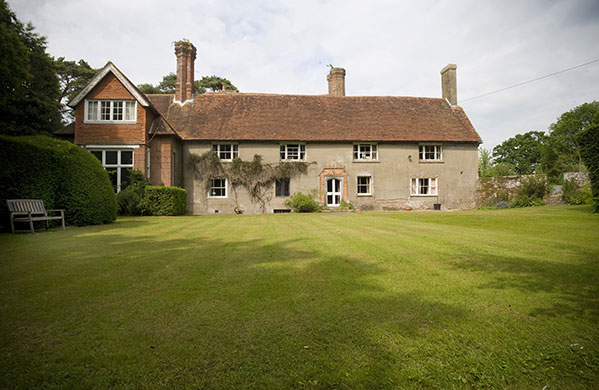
(125, 108)
(225, 187)
(368, 184)
(416, 186)
(234, 150)
(284, 151)
(119, 164)
(437, 153)
(288, 188)
(373, 151)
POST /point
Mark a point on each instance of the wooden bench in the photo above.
(30, 210)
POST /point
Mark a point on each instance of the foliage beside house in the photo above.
(63, 175)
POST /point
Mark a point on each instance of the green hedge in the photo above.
(60, 173)
(589, 150)
(165, 200)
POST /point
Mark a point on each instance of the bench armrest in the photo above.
(14, 213)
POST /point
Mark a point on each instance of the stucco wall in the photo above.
(397, 164)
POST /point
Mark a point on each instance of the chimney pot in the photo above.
(186, 55)
(336, 79)
(449, 87)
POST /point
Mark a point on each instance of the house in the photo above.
(377, 152)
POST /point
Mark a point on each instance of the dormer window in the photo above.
(110, 111)
(365, 152)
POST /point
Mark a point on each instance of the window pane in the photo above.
(117, 111)
(282, 152)
(98, 154)
(124, 177)
(423, 186)
(282, 187)
(129, 111)
(113, 177)
(292, 152)
(235, 151)
(105, 110)
(92, 110)
(126, 157)
(111, 157)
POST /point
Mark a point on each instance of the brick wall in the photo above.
(114, 134)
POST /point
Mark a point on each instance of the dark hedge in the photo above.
(165, 200)
(60, 173)
(589, 150)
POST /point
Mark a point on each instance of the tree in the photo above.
(561, 152)
(29, 89)
(72, 76)
(215, 84)
(589, 151)
(485, 162)
(523, 152)
(167, 85)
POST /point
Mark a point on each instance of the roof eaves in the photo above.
(110, 67)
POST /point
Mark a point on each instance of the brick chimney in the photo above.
(336, 79)
(449, 84)
(186, 55)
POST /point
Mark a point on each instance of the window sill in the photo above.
(366, 161)
(134, 122)
(304, 160)
(430, 161)
(364, 195)
(425, 195)
(217, 197)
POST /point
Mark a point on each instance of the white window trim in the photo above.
(111, 146)
(118, 164)
(300, 144)
(226, 190)
(369, 185)
(233, 154)
(417, 187)
(120, 122)
(425, 160)
(371, 144)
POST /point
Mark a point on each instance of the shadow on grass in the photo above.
(574, 280)
(122, 310)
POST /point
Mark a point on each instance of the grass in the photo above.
(475, 299)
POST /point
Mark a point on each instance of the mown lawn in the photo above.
(481, 299)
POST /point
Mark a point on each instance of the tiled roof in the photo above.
(240, 116)
(67, 130)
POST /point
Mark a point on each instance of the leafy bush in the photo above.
(302, 203)
(131, 199)
(63, 175)
(165, 200)
(531, 193)
(575, 194)
(589, 150)
(346, 205)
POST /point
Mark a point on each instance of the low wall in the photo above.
(582, 178)
(489, 190)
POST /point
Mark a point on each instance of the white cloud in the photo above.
(387, 47)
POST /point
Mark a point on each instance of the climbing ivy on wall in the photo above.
(255, 176)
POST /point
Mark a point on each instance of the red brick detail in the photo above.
(329, 172)
(161, 161)
(111, 134)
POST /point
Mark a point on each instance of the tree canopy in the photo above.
(29, 89)
(167, 85)
(561, 152)
(72, 76)
(523, 152)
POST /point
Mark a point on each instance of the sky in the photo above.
(388, 48)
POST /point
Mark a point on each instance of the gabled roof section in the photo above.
(110, 67)
(269, 117)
